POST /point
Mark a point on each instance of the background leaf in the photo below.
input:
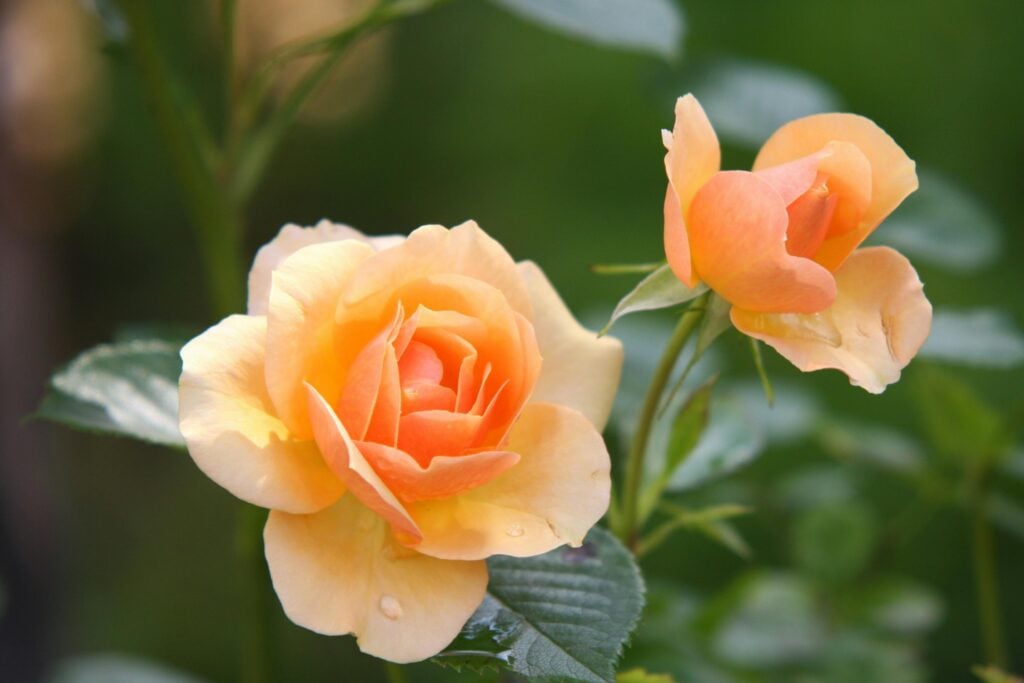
(646, 25)
(984, 337)
(128, 389)
(748, 101)
(116, 668)
(943, 225)
(563, 616)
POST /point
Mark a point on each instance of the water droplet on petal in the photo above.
(390, 607)
(515, 531)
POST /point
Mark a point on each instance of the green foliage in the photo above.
(730, 441)
(115, 669)
(990, 674)
(943, 225)
(660, 289)
(748, 101)
(833, 543)
(958, 422)
(983, 338)
(561, 616)
(127, 388)
(646, 25)
(710, 521)
(642, 676)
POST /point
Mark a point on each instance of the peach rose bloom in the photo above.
(405, 408)
(781, 243)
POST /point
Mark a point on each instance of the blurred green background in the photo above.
(859, 568)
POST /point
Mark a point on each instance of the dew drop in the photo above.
(515, 531)
(390, 607)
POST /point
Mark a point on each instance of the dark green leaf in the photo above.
(561, 616)
(127, 389)
(660, 289)
(983, 338)
(645, 25)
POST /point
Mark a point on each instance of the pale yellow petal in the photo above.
(876, 325)
(303, 342)
(579, 369)
(340, 571)
(229, 424)
(557, 491)
(433, 250)
(289, 240)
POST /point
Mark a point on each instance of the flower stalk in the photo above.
(629, 510)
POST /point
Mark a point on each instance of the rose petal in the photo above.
(738, 234)
(693, 157)
(371, 390)
(892, 172)
(302, 337)
(228, 422)
(346, 460)
(437, 432)
(579, 370)
(432, 250)
(558, 490)
(340, 571)
(444, 476)
(878, 322)
(289, 240)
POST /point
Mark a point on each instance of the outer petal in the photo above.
(738, 234)
(345, 459)
(877, 324)
(303, 342)
(580, 370)
(339, 571)
(558, 490)
(228, 422)
(289, 240)
(693, 157)
(433, 250)
(892, 172)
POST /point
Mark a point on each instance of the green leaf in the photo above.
(943, 225)
(660, 289)
(654, 26)
(561, 616)
(958, 422)
(762, 374)
(109, 668)
(731, 440)
(127, 389)
(983, 338)
(774, 623)
(642, 676)
(748, 101)
(833, 544)
(990, 674)
(901, 608)
(709, 521)
(687, 429)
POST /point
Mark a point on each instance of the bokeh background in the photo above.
(859, 558)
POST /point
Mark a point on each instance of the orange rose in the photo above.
(780, 243)
(405, 408)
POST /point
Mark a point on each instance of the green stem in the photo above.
(986, 577)
(255, 645)
(214, 217)
(228, 11)
(638, 448)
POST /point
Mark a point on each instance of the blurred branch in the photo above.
(985, 572)
(193, 158)
(228, 11)
(250, 148)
